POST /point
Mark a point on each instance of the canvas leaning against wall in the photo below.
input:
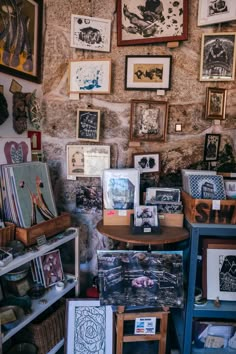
(134, 278)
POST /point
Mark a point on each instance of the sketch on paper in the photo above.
(148, 72)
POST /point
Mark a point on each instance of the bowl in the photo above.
(23, 348)
(18, 273)
(11, 316)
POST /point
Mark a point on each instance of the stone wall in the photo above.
(186, 101)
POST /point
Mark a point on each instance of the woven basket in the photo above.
(7, 234)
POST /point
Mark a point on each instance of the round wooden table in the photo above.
(123, 234)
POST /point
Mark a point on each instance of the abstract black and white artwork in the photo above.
(90, 33)
(88, 327)
(141, 278)
(221, 274)
(206, 187)
(216, 11)
(146, 163)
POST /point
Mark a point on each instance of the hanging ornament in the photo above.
(34, 112)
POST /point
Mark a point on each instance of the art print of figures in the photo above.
(90, 33)
(89, 327)
(21, 25)
(212, 145)
(216, 7)
(14, 150)
(140, 278)
(216, 11)
(216, 103)
(90, 76)
(88, 125)
(89, 199)
(145, 216)
(218, 57)
(149, 21)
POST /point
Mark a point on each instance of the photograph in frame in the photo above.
(24, 61)
(217, 11)
(148, 72)
(90, 33)
(87, 160)
(215, 103)
(88, 125)
(144, 22)
(90, 76)
(147, 163)
(148, 120)
(212, 146)
(88, 327)
(218, 56)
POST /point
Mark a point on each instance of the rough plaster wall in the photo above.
(186, 105)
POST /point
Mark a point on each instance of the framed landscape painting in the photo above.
(23, 59)
(211, 12)
(143, 22)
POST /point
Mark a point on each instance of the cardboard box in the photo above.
(201, 210)
(117, 217)
(173, 220)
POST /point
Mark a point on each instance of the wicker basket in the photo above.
(7, 234)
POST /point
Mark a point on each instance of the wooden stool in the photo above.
(121, 338)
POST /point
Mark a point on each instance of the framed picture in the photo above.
(15, 86)
(51, 268)
(87, 160)
(218, 56)
(212, 146)
(143, 22)
(15, 150)
(88, 125)
(146, 163)
(147, 72)
(90, 76)
(230, 188)
(145, 216)
(24, 58)
(88, 327)
(148, 120)
(36, 139)
(216, 244)
(217, 11)
(90, 33)
(89, 199)
(215, 103)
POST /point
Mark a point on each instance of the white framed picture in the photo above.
(90, 33)
(147, 162)
(216, 11)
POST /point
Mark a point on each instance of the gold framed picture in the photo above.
(215, 103)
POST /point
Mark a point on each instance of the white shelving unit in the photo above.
(52, 294)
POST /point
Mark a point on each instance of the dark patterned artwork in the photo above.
(89, 199)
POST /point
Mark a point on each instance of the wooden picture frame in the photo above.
(215, 103)
(90, 76)
(90, 33)
(211, 148)
(88, 327)
(210, 12)
(147, 162)
(25, 60)
(157, 21)
(87, 160)
(218, 53)
(148, 120)
(88, 125)
(148, 72)
(211, 279)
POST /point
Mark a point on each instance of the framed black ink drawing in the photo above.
(88, 124)
(23, 59)
(148, 120)
(216, 11)
(145, 163)
(147, 72)
(90, 33)
(218, 55)
(212, 146)
(143, 22)
(90, 76)
(215, 103)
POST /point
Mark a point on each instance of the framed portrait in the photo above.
(215, 103)
(87, 160)
(218, 56)
(90, 33)
(147, 163)
(88, 327)
(148, 72)
(212, 146)
(24, 58)
(90, 76)
(225, 247)
(217, 11)
(143, 22)
(88, 125)
(148, 121)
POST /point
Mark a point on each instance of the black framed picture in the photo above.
(24, 58)
(212, 146)
(88, 124)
